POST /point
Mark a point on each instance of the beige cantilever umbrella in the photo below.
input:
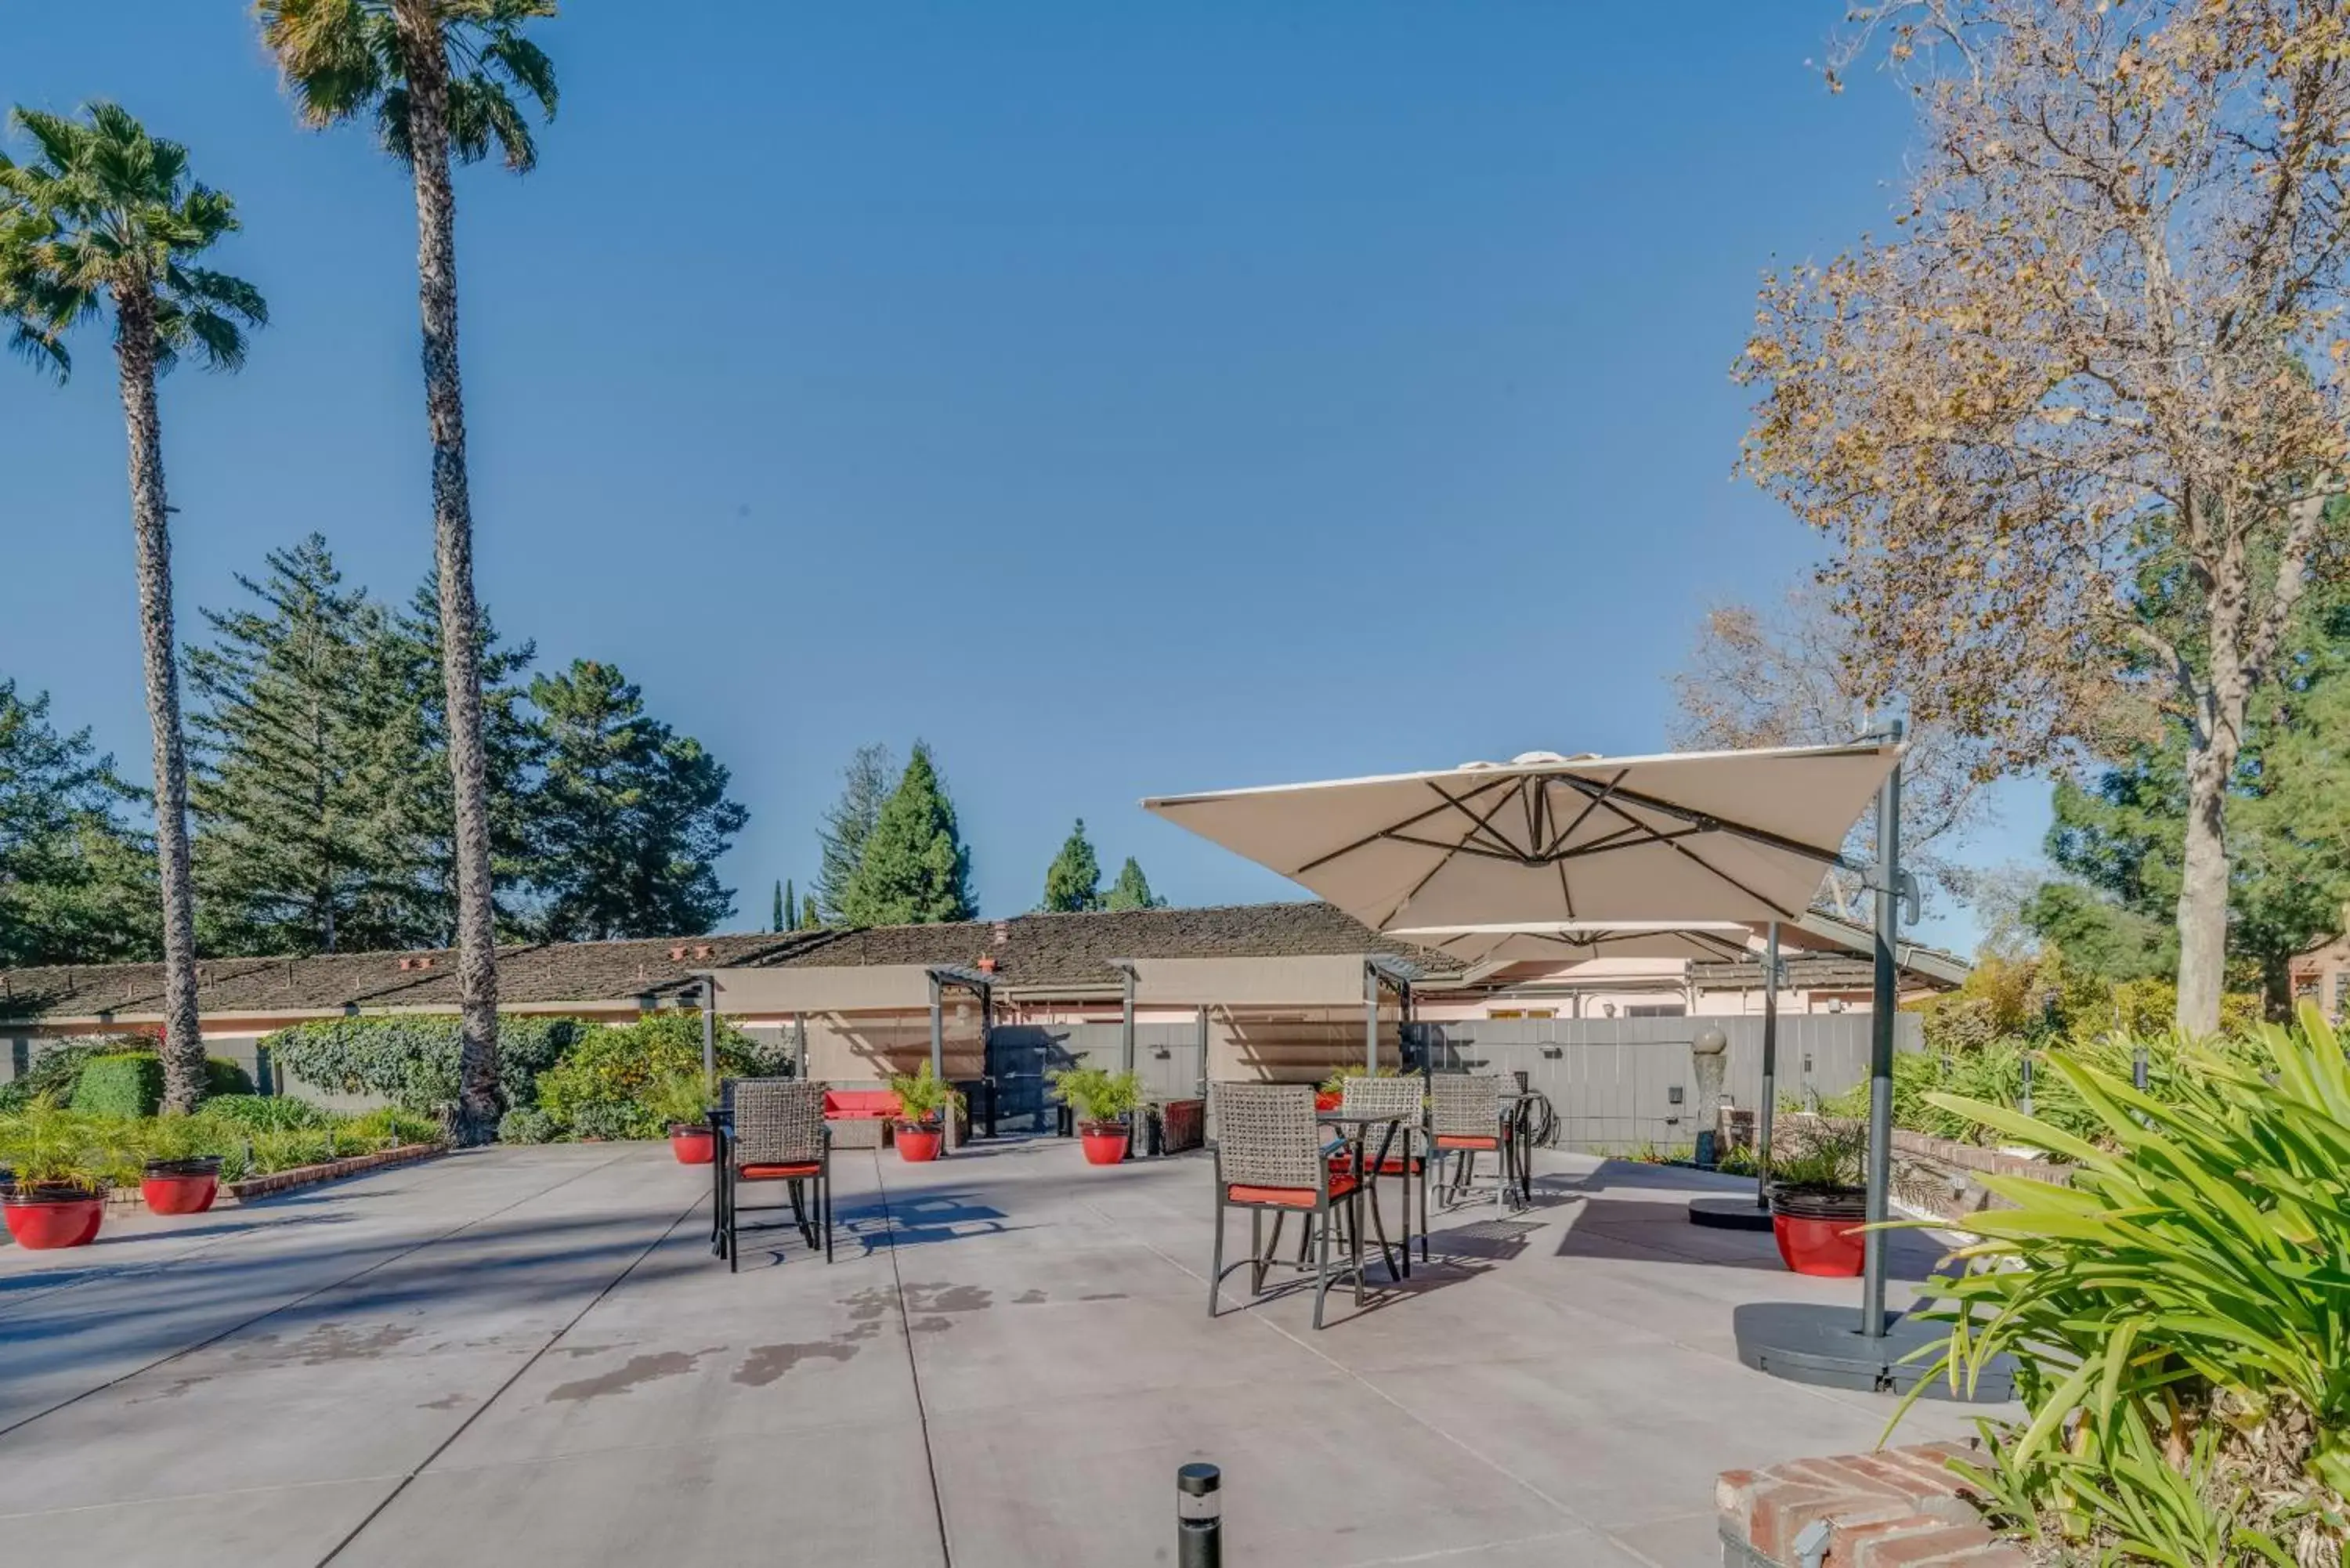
(1690, 835)
(1576, 941)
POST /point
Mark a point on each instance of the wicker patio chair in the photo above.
(1269, 1156)
(779, 1134)
(1465, 1115)
(1405, 1157)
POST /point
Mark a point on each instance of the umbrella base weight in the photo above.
(1729, 1214)
(1806, 1342)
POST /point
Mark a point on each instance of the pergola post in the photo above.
(1125, 1016)
(1884, 999)
(1769, 1108)
(1370, 1017)
(938, 1031)
(709, 1033)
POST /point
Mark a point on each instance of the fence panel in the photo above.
(1616, 1083)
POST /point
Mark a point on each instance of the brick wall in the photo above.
(1896, 1508)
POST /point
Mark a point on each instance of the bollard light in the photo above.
(1199, 1517)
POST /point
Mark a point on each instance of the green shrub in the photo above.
(272, 1113)
(223, 1076)
(126, 1085)
(2178, 1315)
(527, 1124)
(922, 1096)
(393, 1126)
(411, 1061)
(680, 1100)
(604, 1085)
(1097, 1094)
(613, 1119)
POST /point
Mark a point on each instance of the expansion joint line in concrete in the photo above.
(913, 1366)
(293, 1302)
(499, 1393)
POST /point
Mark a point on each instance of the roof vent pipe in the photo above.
(1001, 931)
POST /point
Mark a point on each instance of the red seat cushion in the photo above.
(1285, 1197)
(1466, 1141)
(1393, 1165)
(778, 1172)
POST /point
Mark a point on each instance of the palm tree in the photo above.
(440, 77)
(105, 214)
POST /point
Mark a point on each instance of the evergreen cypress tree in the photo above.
(1132, 890)
(76, 886)
(1073, 881)
(776, 922)
(865, 784)
(299, 845)
(916, 870)
(811, 919)
(633, 817)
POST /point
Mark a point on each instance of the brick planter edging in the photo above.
(1896, 1508)
(278, 1181)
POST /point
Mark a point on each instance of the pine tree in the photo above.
(299, 842)
(915, 871)
(1073, 881)
(865, 785)
(514, 748)
(1132, 890)
(632, 816)
(76, 886)
(811, 918)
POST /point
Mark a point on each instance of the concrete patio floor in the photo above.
(528, 1356)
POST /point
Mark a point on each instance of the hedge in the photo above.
(411, 1061)
(125, 1085)
(124, 1082)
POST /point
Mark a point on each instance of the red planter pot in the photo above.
(919, 1145)
(179, 1194)
(1819, 1232)
(692, 1145)
(1326, 1103)
(1104, 1142)
(40, 1223)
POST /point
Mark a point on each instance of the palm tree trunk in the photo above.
(183, 1045)
(479, 1104)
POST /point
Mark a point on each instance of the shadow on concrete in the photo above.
(1660, 1233)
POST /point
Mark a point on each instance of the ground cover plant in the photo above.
(251, 1134)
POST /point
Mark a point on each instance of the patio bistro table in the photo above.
(1368, 1174)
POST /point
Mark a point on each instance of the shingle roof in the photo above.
(1036, 950)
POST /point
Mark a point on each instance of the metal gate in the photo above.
(1169, 1058)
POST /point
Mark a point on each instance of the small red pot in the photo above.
(919, 1145)
(1828, 1247)
(179, 1194)
(1323, 1103)
(1104, 1142)
(692, 1145)
(40, 1223)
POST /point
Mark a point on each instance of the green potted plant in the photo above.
(1819, 1198)
(1101, 1100)
(178, 1175)
(680, 1101)
(924, 1100)
(55, 1198)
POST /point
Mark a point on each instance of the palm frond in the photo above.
(42, 349)
(331, 54)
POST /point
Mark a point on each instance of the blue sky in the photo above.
(1126, 399)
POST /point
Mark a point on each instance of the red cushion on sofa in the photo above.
(859, 1104)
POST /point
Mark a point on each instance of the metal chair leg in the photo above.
(1355, 1233)
(824, 1190)
(1322, 1266)
(1257, 1255)
(1216, 1268)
